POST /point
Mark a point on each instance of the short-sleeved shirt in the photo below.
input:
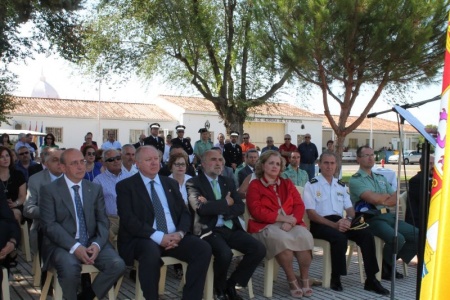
(326, 199)
(298, 177)
(201, 147)
(361, 182)
(114, 145)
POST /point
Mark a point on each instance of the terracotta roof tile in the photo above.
(378, 124)
(275, 109)
(89, 109)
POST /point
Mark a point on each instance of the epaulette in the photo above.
(341, 182)
(314, 180)
(356, 175)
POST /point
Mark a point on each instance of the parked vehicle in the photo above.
(410, 157)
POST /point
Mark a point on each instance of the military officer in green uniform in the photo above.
(293, 172)
(372, 193)
(202, 145)
(180, 140)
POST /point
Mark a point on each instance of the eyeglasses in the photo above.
(180, 165)
(90, 153)
(24, 153)
(287, 139)
(111, 159)
(367, 155)
(78, 163)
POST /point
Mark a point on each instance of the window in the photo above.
(353, 143)
(134, 135)
(107, 131)
(57, 132)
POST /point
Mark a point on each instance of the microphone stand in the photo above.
(425, 200)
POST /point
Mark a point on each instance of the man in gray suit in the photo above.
(46, 176)
(75, 228)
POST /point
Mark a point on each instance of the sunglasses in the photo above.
(49, 138)
(90, 153)
(287, 139)
(307, 137)
(24, 153)
(111, 159)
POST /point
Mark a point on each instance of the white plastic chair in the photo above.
(5, 285)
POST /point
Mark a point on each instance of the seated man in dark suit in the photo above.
(215, 199)
(155, 222)
(251, 156)
(75, 228)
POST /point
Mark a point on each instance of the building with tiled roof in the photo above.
(384, 133)
(269, 119)
(69, 120)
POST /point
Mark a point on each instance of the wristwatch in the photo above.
(17, 203)
(181, 233)
(350, 218)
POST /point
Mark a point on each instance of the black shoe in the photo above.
(375, 285)
(386, 273)
(336, 284)
(232, 294)
(220, 295)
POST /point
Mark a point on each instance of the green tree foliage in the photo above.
(347, 47)
(212, 45)
(55, 26)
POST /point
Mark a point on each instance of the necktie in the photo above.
(160, 217)
(215, 187)
(83, 234)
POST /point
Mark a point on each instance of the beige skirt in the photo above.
(277, 240)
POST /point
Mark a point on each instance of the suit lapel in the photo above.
(66, 197)
(223, 187)
(88, 202)
(206, 185)
(142, 191)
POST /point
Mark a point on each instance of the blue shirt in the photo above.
(308, 153)
(157, 236)
(108, 182)
(114, 145)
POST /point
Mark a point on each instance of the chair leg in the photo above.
(379, 244)
(250, 289)
(209, 283)
(57, 294)
(405, 269)
(162, 280)
(326, 274)
(138, 294)
(36, 270)
(118, 285)
(44, 291)
(25, 244)
(268, 277)
(360, 264)
(5, 285)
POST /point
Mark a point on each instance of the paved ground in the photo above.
(21, 284)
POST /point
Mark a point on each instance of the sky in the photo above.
(71, 84)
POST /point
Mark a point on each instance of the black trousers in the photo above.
(5, 236)
(338, 242)
(222, 241)
(191, 249)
